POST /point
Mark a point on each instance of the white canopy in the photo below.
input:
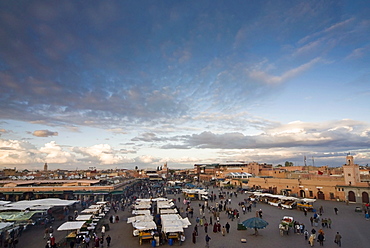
(5, 224)
(144, 218)
(144, 225)
(168, 211)
(84, 217)
(71, 225)
(95, 206)
(308, 200)
(90, 211)
(141, 212)
(174, 223)
(4, 202)
(39, 204)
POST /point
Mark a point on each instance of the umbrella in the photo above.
(256, 223)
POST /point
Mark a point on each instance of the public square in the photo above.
(350, 224)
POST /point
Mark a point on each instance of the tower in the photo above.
(351, 171)
(46, 167)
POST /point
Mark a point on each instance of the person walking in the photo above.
(336, 211)
(338, 239)
(227, 226)
(103, 231)
(223, 231)
(321, 238)
(207, 240)
(108, 239)
(46, 233)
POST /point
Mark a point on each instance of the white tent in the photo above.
(71, 225)
(139, 218)
(141, 212)
(144, 225)
(168, 211)
(84, 217)
(90, 211)
(5, 225)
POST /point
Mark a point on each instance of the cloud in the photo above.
(103, 153)
(340, 134)
(54, 153)
(357, 53)
(270, 79)
(44, 133)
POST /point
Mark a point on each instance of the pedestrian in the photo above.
(338, 239)
(182, 238)
(194, 236)
(71, 243)
(101, 242)
(206, 227)
(108, 239)
(215, 227)
(321, 238)
(336, 211)
(87, 241)
(103, 231)
(48, 244)
(227, 226)
(207, 240)
(311, 240)
(46, 233)
(52, 241)
(306, 234)
(117, 219)
(223, 231)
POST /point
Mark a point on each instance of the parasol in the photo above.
(256, 223)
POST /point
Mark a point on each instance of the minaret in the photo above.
(46, 167)
(351, 172)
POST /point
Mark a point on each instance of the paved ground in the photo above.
(352, 226)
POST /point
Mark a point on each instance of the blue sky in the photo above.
(119, 84)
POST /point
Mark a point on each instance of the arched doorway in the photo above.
(365, 197)
(351, 196)
(302, 193)
(320, 195)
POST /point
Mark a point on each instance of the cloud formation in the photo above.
(44, 133)
(207, 81)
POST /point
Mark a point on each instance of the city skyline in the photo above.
(119, 84)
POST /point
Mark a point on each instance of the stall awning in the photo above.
(71, 225)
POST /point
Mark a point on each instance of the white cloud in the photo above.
(54, 153)
(104, 153)
(44, 133)
(271, 79)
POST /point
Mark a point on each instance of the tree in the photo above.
(136, 168)
(279, 165)
(287, 164)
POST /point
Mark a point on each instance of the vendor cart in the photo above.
(286, 223)
(145, 235)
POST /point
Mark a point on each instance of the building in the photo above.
(319, 184)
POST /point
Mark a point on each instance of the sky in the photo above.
(119, 84)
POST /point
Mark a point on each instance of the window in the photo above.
(349, 174)
(331, 195)
(311, 193)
